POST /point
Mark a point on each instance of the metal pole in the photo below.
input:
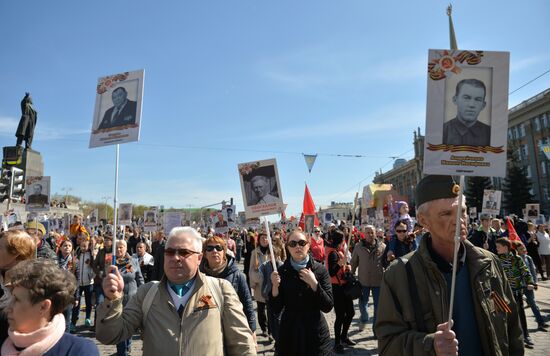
(115, 204)
(266, 224)
(457, 247)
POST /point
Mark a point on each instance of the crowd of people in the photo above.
(196, 292)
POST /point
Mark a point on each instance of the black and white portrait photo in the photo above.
(260, 188)
(125, 214)
(309, 223)
(123, 111)
(466, 128)
(37, 193)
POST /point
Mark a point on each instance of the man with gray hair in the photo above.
(415, 291)
(262, 189)
(186, 313)
(367, 255)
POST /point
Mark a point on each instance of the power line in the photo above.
(529, 82)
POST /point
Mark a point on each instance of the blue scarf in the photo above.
(299, 265)
(181, 289)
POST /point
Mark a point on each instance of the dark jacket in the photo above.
(45, 251)
(479, 237)
(158, 267)
(233, 275)
(456, 133)
(304, 330)
(71, 345)
(396, 326)
(125, 117)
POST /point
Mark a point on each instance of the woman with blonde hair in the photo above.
(15, 246)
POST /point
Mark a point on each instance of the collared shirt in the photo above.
(184, 298)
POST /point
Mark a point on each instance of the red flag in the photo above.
(512, 234)
(308, 209)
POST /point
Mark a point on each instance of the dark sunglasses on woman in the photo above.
(211, 248)
(295, 243)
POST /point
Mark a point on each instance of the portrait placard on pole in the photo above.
(491, 202)
(467, 113)
(125, 214)
(260, 187)
(150, 220)
(117, 114)
(172, 219)
(37, 193)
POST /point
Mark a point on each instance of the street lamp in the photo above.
(66, 190)
(106, 200)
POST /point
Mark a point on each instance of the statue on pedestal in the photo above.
(25, 130)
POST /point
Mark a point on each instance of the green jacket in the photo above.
(396, 326)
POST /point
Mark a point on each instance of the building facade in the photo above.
(528, 130)
(405, 175)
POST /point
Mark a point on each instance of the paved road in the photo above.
(366, 344)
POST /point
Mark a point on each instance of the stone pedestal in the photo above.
(32, 163)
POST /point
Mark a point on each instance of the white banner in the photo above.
(150, 220)
(467, 113)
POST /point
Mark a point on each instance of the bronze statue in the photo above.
(25, 130)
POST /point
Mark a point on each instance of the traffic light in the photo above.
(16, 183)
(5, 181)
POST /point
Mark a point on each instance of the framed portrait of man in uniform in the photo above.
(467, 113)
(125, 214)
(117, 114)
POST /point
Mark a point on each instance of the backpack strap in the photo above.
(413, 292)
(148, 300)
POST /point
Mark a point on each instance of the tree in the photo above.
(517, 187)
(474, 191)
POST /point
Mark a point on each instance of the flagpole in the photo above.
(452, 38)
(115, 204)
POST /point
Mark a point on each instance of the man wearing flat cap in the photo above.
(415, 291)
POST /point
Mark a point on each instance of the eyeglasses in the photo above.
(400, 231)
(183, 252)
(294, 243)
(211, 248)
(317, 231)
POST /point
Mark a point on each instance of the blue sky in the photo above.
(235, 81)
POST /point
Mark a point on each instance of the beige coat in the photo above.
(369, 262)
(254, 275)
(202, 330)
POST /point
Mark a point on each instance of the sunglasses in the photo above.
(294, 243)
(211, 248)
(183, 252)
(400, 231)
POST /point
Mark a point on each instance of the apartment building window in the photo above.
(536, 123)
(521, 130)
(524, 151)
(544, 120)
(528, 171)
(543, 167)
(546, 193)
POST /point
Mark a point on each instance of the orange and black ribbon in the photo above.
(500, 304)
